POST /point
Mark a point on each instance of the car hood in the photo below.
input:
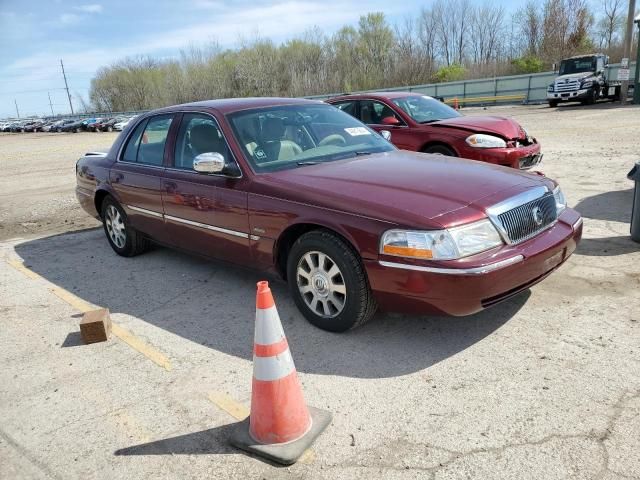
(502, 126)
(571, 76)
(404, 188)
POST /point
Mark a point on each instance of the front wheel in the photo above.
(328, 282)
(553, 103)
(440, 150)
(123, 238)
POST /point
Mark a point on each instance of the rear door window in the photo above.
(146, 143)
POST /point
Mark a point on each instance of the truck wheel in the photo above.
(329, 283)
(593, 98)
(123, 238)
(553, 103)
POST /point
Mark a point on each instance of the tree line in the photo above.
(449, 40)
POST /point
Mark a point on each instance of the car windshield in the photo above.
(425, 109)
(577, 65)
(292, 136)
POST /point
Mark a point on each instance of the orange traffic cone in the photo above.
(281, 426)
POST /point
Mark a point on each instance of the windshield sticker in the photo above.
(357, 131)
(260, 154)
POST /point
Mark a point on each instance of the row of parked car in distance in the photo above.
(75, 125)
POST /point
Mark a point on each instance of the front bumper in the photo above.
(522, 158)
(575, 96)
(466, 286)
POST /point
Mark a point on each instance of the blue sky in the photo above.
(35, 35)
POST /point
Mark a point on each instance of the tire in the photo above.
(76, 130)
(109, 129)
(59, 130)
(123, 238)
(440, 150)
(317, 253)
(553, 104)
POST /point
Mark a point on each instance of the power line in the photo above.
(36, 91)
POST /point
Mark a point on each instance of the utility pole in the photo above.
(627, 48)
(50, 104)
(66, 86)
(17, 111)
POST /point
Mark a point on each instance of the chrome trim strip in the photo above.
(577, 224)
(206, 226)
(144, 211)
(456, 271)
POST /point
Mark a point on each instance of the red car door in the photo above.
(136, 176)
(381, 116)
(205, 213)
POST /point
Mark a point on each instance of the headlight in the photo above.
(550, 88)
(480, 140)
(561, 202)
(586, 84)
(448, 244)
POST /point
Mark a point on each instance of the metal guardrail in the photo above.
(527, 88)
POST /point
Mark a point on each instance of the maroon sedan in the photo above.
(303, 190)
(423, 124)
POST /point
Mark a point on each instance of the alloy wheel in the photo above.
(115, 227)
(321, 284)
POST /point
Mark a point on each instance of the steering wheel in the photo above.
(333, 139)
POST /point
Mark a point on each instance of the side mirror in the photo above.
(386, 134)
(390, 120)
(209, 162)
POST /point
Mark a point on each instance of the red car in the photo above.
(423, 124)
(303, 190)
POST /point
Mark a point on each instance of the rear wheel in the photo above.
(440, 150)
(328, 282)
(123, 238)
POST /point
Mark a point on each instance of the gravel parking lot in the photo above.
(544, 386)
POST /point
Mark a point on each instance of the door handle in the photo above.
(117, 177)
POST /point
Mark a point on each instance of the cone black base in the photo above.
(287, 453)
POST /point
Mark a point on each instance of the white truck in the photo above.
(583, 79)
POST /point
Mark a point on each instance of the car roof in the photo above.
(229, 105)
(378, 95)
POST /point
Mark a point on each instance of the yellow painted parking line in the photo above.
(83, 306)
(145, 349)
(18, 265)
(229, 405)
(240, 412)
(73, 300)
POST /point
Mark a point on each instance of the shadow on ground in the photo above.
(212, 303)
(607, 247)
(609, 206)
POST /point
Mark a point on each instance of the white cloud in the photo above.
(69, 18)
(91, 8)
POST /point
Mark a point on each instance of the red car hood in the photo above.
(505, 127)
(404, 188)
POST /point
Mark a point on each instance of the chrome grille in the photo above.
(566, 85)
(526, 221)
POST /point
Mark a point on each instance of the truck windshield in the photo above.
(578, 65)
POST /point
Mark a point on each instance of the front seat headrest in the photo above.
(272, 129)
(205, 138)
